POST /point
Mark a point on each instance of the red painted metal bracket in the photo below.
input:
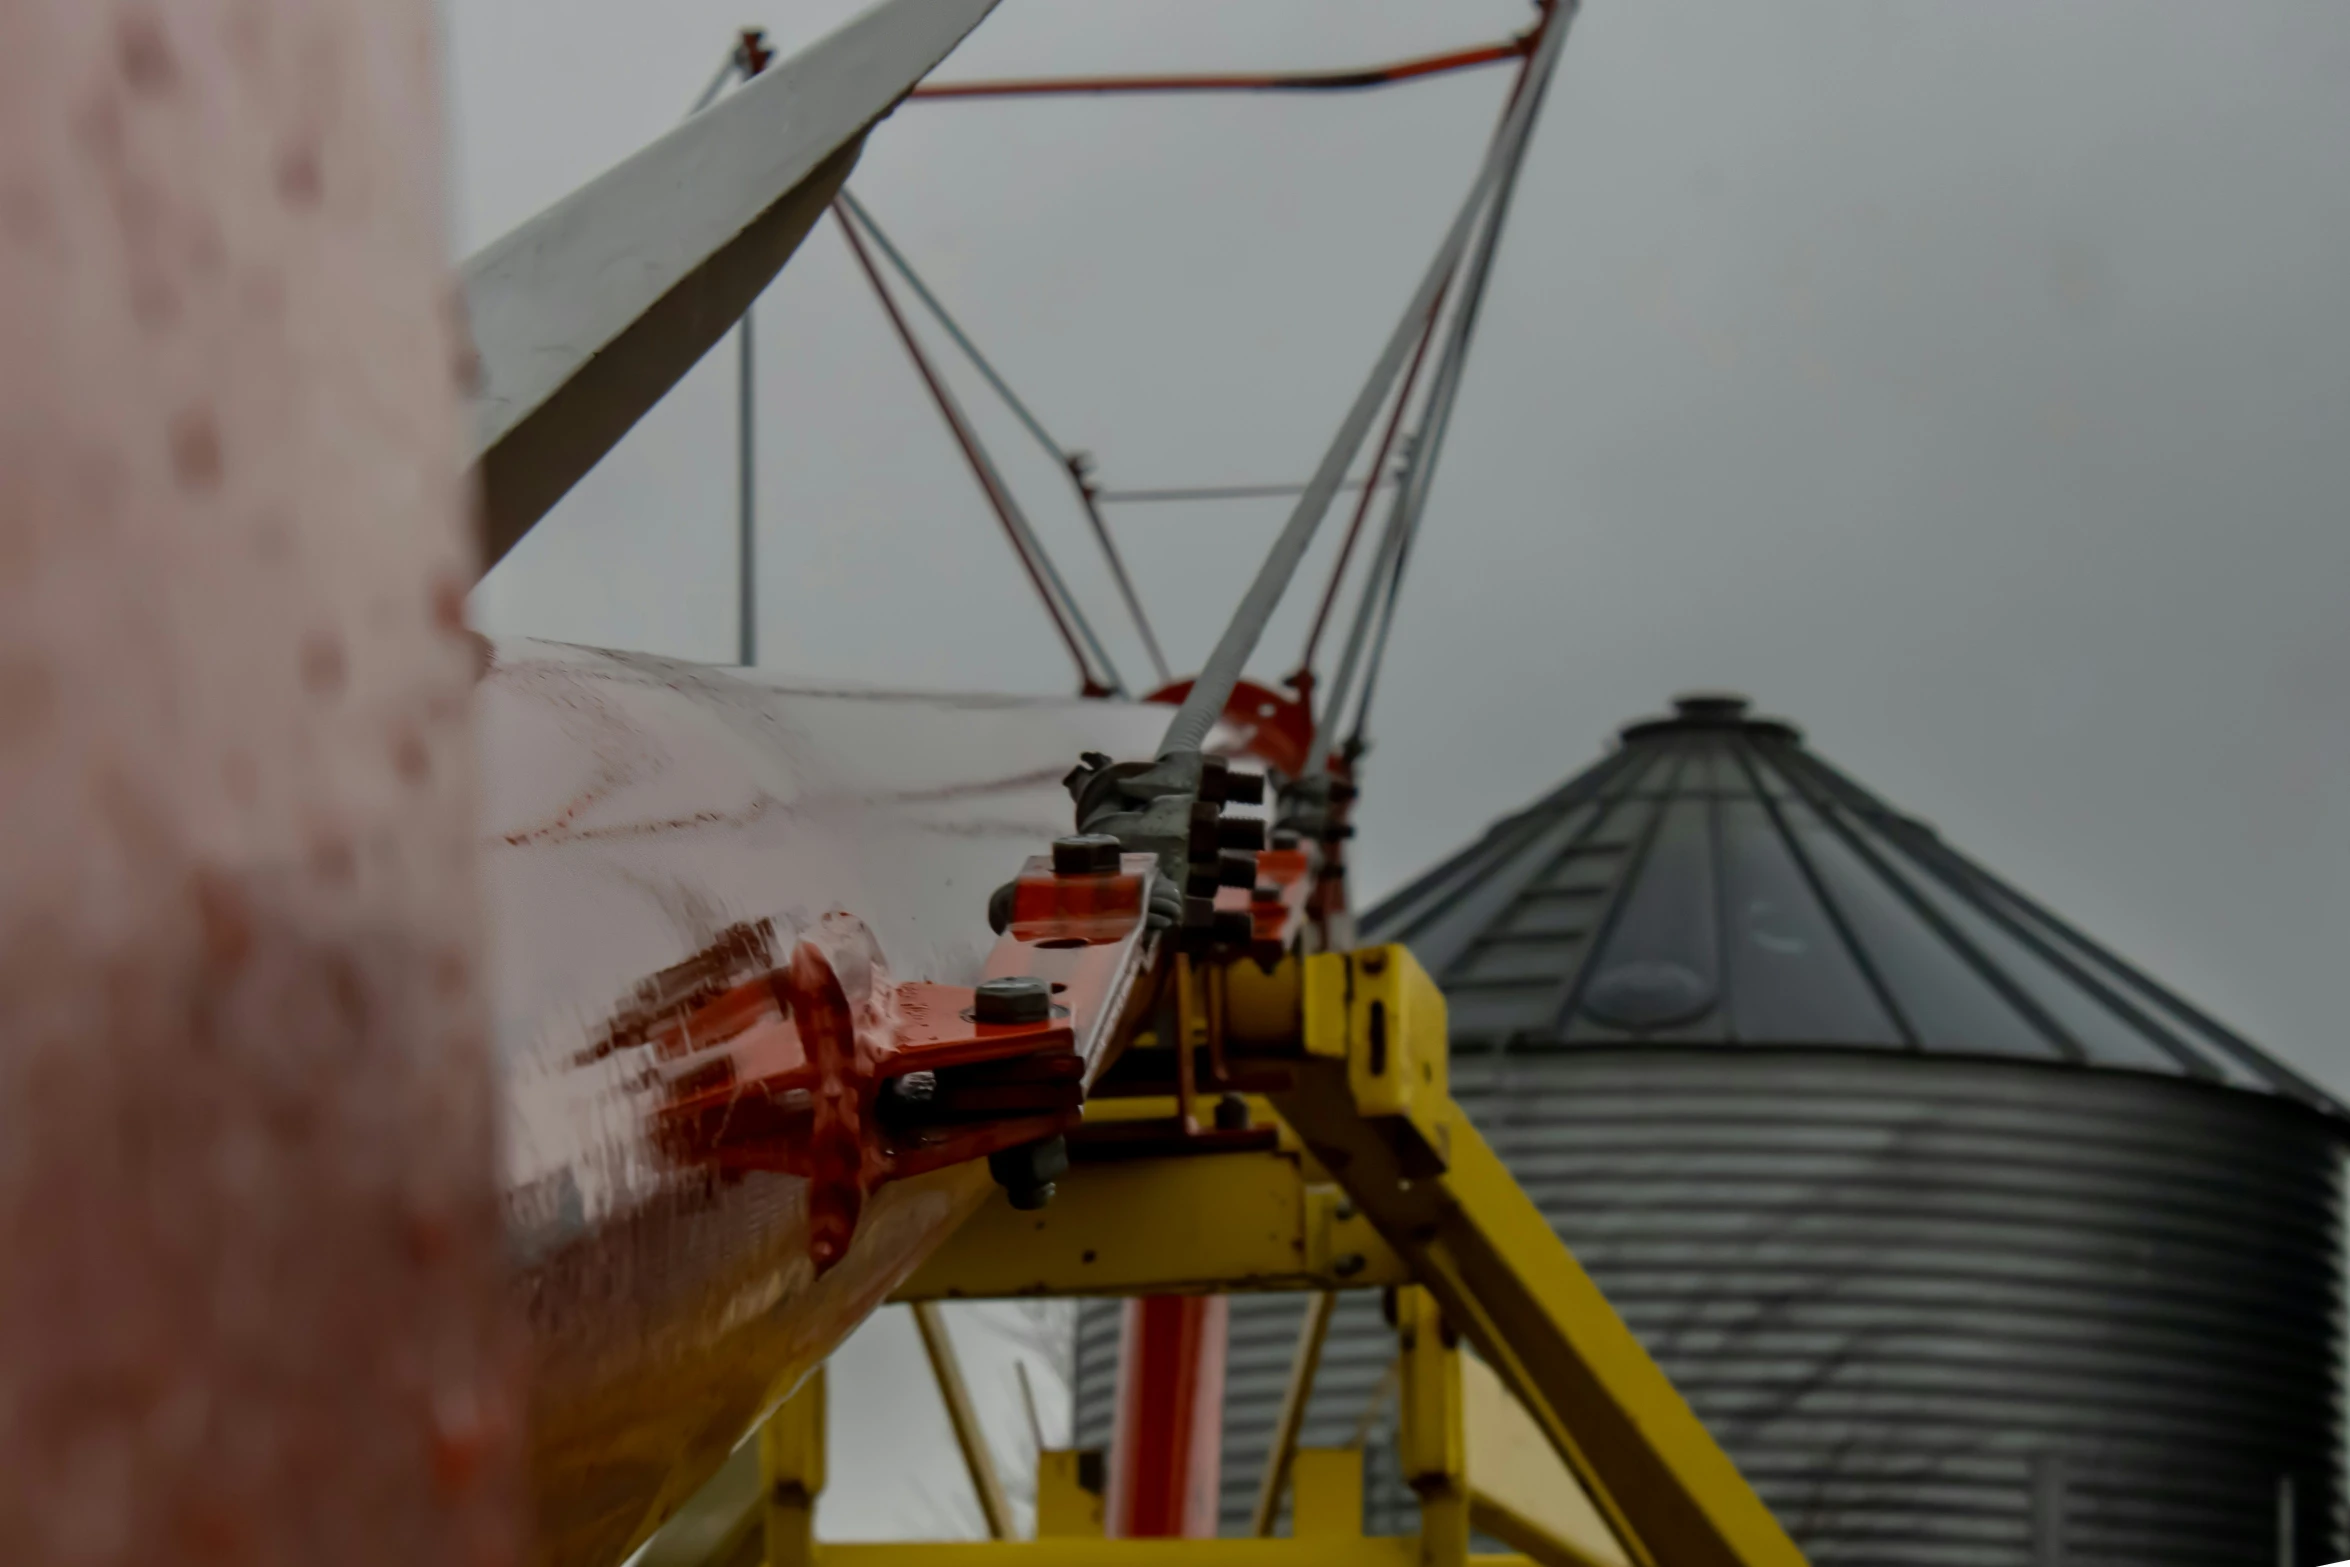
(818, 1065)
(1278, 905)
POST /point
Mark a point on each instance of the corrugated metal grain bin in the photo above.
(1971, 1243)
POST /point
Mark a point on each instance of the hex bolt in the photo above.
(1240, 832)
(1236, 868)
(1286, 839)
(1245, 788)
(1266, 892)
(1233, 928)
(1205, 833)
(1027, 1173)
(1018, 999)
(1085, 854)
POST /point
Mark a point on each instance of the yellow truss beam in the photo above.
(1213, 1224)
(963, 1416)
(1519, 1491)
(1371, 1102)
(1399, 1552)
(1564, 1439)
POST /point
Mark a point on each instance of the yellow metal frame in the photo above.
(1559, 1435)
(1210, 1224)
(1370, 1102)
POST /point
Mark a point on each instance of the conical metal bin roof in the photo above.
(1714, 882)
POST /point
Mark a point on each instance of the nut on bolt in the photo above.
(1085, 854)
(1027, 1173)
(1018, 999)
(1240, 832)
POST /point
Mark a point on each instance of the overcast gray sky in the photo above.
(1969, 382)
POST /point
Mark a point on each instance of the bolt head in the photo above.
(1027, 1173)
(1020, 999)
(1027, 1199)
(1085, 854)
(1233, 928)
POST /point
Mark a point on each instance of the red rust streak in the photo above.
(557, 832)
(1240, 81)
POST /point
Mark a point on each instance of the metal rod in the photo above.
(1436, 417)
(952, 327)
(1069, 462)
(1221, 492)
(1213, 686)
(1240, 81)
(1039, 565)
(1028, 1405)
(963, 1415)
(1354, 527)
(747, 611)
(1303, 1365)
(1101, 531)
(584, 317)
(709, 94)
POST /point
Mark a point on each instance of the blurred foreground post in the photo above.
(250, 1279)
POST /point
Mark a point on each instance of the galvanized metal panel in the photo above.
(636, 811)
(1898, 1289)
(587, 314)
(1714, 881)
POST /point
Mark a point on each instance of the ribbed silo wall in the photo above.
(1943, 1312)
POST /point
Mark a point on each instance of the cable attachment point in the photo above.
(1173, 808)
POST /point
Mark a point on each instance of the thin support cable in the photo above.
(1071, 463)
(952, 328)
(1381, 571)
(1296, 1396)
(749, 56)
(1213, 686)
(1375, 607)
(1416, 69)
(1354, 528)
(1024, 542)
(1436, 418)
(709, 94)
(1225, 492)
(1080, 475)
(747, 499)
